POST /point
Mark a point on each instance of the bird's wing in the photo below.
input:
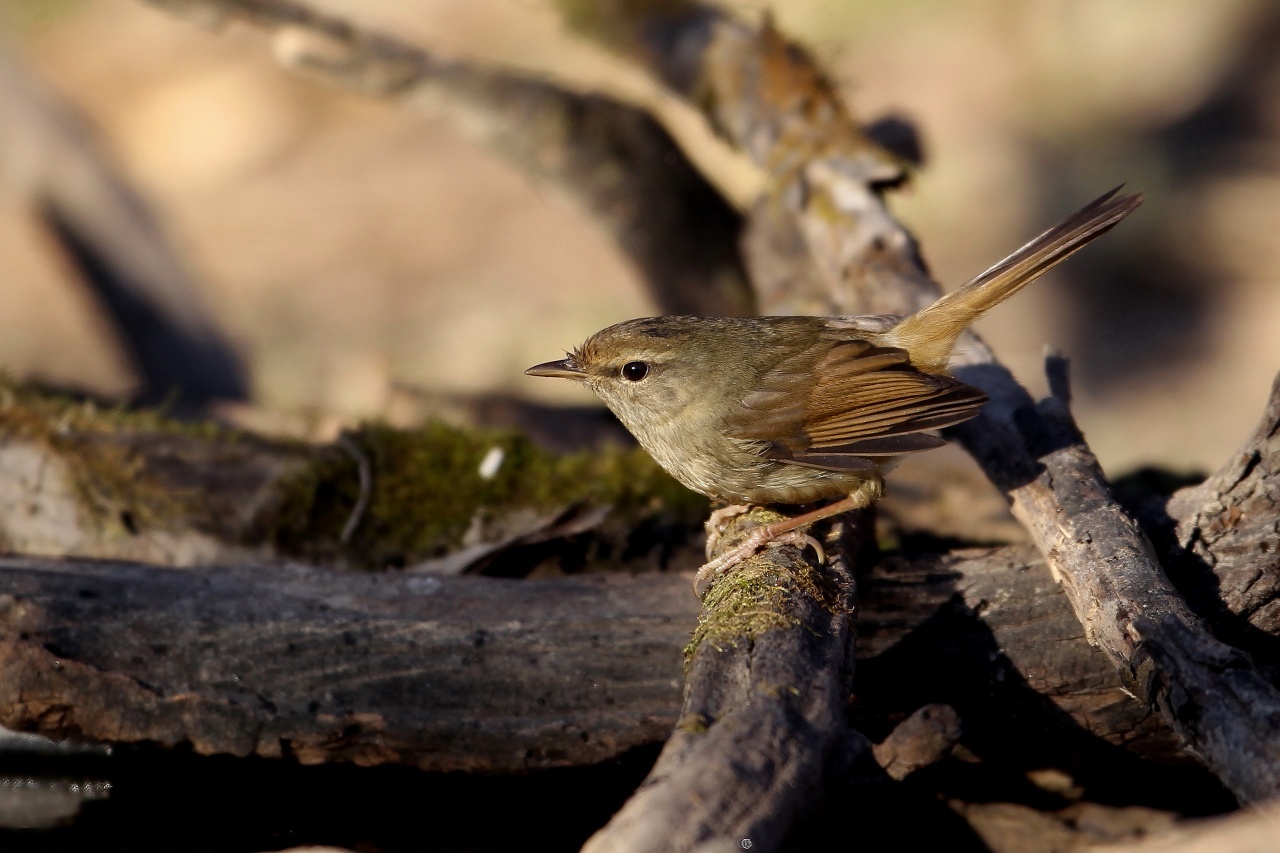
(852, 406)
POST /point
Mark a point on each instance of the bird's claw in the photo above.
(719, 521)
(747, 548)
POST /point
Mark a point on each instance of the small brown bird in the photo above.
(791, 410)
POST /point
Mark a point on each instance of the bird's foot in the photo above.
(719, 521)
(747, 548)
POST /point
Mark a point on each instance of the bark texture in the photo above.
(762, 729)
(1223, 537)
(467, 674)
(985, 630)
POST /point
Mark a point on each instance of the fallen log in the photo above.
(470, 674)
(231, 659)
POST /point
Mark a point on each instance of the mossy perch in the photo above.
(135, 479)
(755, 598)
(762, 730)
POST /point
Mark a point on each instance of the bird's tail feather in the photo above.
(930, 334)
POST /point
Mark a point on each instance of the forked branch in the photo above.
(768, 97)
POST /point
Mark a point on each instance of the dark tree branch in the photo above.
(1208, 692)
(960, 622)
(1225, 545)
(613, 159)
(989, 633)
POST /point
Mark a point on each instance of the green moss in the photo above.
(693, 724)
(427, 489)
(742, 605)
(108, 475)
(756, 597)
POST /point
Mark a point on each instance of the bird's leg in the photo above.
(719, 520)
(785, 531)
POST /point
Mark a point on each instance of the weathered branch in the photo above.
(989, 633)
(79, 481)
(819, 240)
(456, 674)
(961, 622)
(49, 155)
(1224, 542)
(762, 728)
(768, 97)
(612, 158)
(1208, 692)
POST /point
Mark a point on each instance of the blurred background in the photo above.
(352, 249)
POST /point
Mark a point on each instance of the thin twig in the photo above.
(365, 471)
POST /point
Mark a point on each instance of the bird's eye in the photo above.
(635, 371)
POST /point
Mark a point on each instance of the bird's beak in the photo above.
(563, 369)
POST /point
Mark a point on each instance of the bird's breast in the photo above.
(737, 471)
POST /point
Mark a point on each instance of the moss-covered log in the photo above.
(83, 480)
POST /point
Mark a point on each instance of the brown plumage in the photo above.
(797, 409)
